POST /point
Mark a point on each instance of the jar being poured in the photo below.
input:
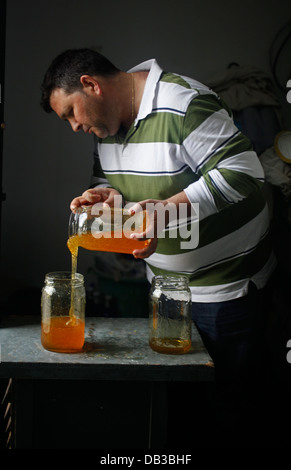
(103, 228)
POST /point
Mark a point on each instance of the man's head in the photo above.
(87, 90)
(67, 69)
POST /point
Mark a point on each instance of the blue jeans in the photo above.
(233, 333)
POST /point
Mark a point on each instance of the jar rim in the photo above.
(64, 276)
(171, 279)
(87, 208)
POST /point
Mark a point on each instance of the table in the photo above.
(111, 395)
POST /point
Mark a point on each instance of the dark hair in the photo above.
(67, 68)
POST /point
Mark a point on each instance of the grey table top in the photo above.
(115, 349)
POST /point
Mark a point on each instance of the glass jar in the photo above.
(104, 228)
(170, 317)
(63, 303)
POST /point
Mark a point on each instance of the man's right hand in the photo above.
(91, 196)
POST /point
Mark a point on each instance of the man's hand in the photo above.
(154, 225)
(91, 196)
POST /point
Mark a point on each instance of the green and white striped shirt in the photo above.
(184, 138)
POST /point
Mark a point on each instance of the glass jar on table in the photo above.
(63, 303)
(170, 316)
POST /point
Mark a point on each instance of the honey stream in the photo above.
(114, 241)
(65, 332)
(74, 255)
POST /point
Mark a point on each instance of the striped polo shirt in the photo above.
(184, 138)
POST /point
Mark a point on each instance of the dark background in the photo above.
(45, 164)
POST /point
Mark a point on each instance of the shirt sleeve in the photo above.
(228, 168)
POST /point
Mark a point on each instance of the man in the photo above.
(161, 137)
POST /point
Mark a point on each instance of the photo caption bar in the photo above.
(146, 459)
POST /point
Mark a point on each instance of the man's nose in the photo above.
(75, 126)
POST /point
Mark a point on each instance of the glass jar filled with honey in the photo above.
(103, 228)
(63, 303)
(170, 317)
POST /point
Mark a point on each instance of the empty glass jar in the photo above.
(170, 318)
(63, 312)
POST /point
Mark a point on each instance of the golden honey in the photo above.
(117, 242)
(63, 334)
(170, 345)
(62, 329)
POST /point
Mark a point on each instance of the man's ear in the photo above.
(91, 84)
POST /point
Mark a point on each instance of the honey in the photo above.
(117, 242)
(63, 298)
(170, 345)
(102, 228)
(62, 334)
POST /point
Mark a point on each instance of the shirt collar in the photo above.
(155, 72)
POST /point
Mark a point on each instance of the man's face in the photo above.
(85, 110)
